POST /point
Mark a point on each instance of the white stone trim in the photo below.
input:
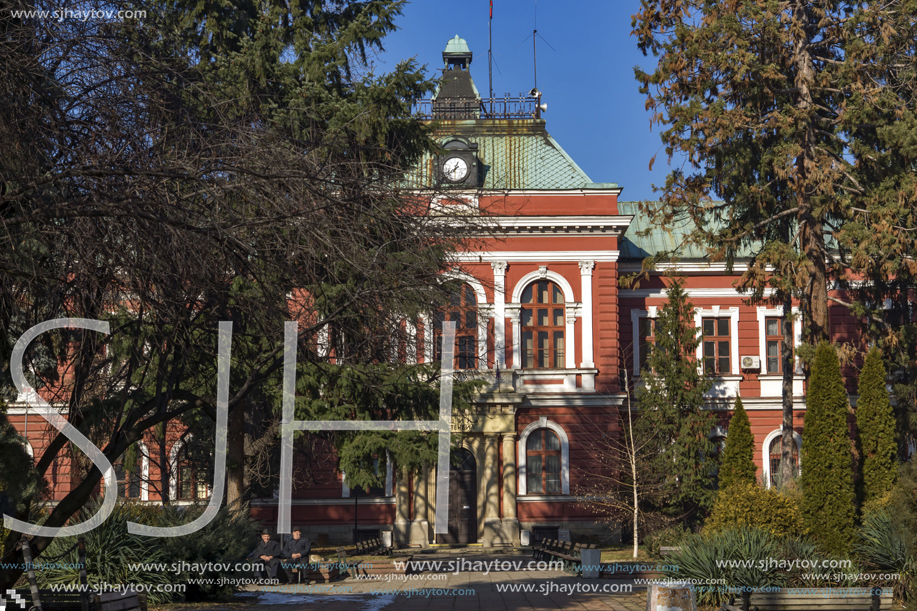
(499, 269)
(586, 268)
(690, 292)
(718, 312)
(538, 256)
(544, 423)
(766, 453)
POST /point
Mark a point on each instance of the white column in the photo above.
(514, 311)
(585, 270)
(570, 345)
(499, 268)
(411, 342)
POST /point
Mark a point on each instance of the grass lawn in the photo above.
(624, 553)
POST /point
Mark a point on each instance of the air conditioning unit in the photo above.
(751, 362)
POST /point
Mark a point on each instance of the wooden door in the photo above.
(463, 502)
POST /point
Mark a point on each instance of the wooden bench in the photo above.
(68, 600)
(565, 551)
(373, 547)
(120, 601)
(881, 598)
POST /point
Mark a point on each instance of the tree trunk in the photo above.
(165, 469)
(811, 240)
(788, 364)
(235, 456)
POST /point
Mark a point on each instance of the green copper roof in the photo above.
(515, 154)
(636, 246)
(457, 45)
(659, 240)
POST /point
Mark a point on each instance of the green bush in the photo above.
(110, 550)
(227, 540)
(828, 502)
(667, 537)
(737, 465)
(750, 505)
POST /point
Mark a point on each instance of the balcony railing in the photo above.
(507, 107)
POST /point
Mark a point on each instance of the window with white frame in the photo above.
(717, 346)
(717, 352)
(544, 459)
(543, 326)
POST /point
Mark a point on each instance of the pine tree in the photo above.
(737, 465)
(827, 480)
(875, 431)
(671, 399)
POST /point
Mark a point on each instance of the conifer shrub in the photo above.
(746, 504)
(737, 464)
(828, 502)
(875, 434)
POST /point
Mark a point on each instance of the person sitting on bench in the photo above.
(296, 554)
(268, 552)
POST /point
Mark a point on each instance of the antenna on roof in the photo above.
(535, 44)
(490, 46)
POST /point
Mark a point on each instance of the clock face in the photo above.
(455, 169)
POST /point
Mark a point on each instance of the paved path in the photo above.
(484, 586)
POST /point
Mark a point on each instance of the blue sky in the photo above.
(595, 111)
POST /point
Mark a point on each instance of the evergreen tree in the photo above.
(737, 465)
(799, 116)
(671, 399)
(827, 481)
(875, 431)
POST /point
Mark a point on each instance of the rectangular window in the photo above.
(716, 346)
(646, 331)
(773, 345)
(533, 474)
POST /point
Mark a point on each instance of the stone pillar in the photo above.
(402, 526)
(510, 521)
(492, 522)
(499, 268)
(585, 269)
(514, 311)
(420, 527)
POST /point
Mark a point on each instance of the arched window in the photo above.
(543, 324)
(463, 309)
(775, 453)
(543, 462)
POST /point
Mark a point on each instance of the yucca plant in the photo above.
(738, 556)
(110, 555)
(886, 545)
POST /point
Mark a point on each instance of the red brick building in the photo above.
(541, 315)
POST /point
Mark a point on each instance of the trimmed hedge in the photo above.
(750, 505)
